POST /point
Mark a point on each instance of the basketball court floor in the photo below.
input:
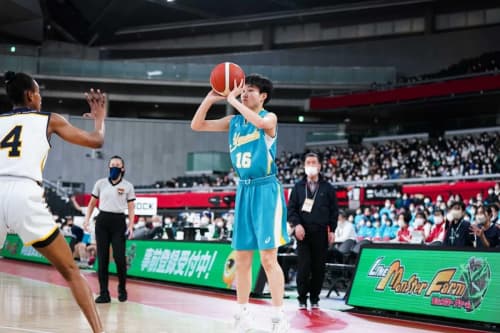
(34, 299)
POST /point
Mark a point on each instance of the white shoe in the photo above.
(243, 321)
(280, 325)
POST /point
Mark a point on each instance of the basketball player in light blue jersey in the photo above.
(260, 214)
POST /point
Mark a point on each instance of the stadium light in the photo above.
(154, 73)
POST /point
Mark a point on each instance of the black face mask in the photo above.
(115, 173)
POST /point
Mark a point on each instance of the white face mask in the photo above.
(480, 218)
(311, 171)
(456, 214)
(401, 224)
(156, 224)
(419, 221)
(438, 219)
(449, 216)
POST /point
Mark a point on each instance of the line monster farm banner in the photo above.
(445, 283)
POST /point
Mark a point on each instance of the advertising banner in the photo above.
(206, 264)
(437, 282)
(14, 248)
(382, 192)
(146, 206)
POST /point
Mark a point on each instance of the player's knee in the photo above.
(69, 270)
(268, 262)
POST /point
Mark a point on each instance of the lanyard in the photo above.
(454, 233)
(315, 191)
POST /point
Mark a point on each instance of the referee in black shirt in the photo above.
(313, 211)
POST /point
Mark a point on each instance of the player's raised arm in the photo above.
(199, 121)
(95, 139)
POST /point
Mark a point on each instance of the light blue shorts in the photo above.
(260, 215)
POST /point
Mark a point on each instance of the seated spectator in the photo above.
(457, 229)
(438, 229)
(141, 222)
(494, 213)
(205, 219)
(73, 231)
(219, 229)
(383, 219)
(485, 232)
(86, 251)
(358, 217)
(345, 229)
(386, 209)
(376, 231)
(421, 225)
(149, 230)
(492, 197)
(364, 230)
(156, 221)
(388, 232)
(403, 235)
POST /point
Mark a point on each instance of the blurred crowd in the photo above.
(488, 62)
(418, 219)
(411, 158)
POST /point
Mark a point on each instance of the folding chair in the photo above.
(340, 269)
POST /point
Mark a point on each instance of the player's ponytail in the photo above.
(16, 84)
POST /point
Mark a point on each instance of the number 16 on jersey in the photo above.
(244, 160)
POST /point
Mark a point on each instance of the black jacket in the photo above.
(325, 209)
(463, 235)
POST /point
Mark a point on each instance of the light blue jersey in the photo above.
(252, 151)
(260, 209)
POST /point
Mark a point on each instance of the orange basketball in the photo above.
(223, 76)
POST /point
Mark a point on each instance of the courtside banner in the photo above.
(438, 282)
(209, 264)
(13, 248)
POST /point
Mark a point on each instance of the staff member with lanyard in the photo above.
(313, 211)
(115, 195)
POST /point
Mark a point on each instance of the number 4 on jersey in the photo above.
(12, 141)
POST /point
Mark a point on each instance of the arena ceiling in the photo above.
(109, 23)
(105, 22)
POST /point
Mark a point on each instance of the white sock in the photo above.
(278, 311)
(244, 307)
